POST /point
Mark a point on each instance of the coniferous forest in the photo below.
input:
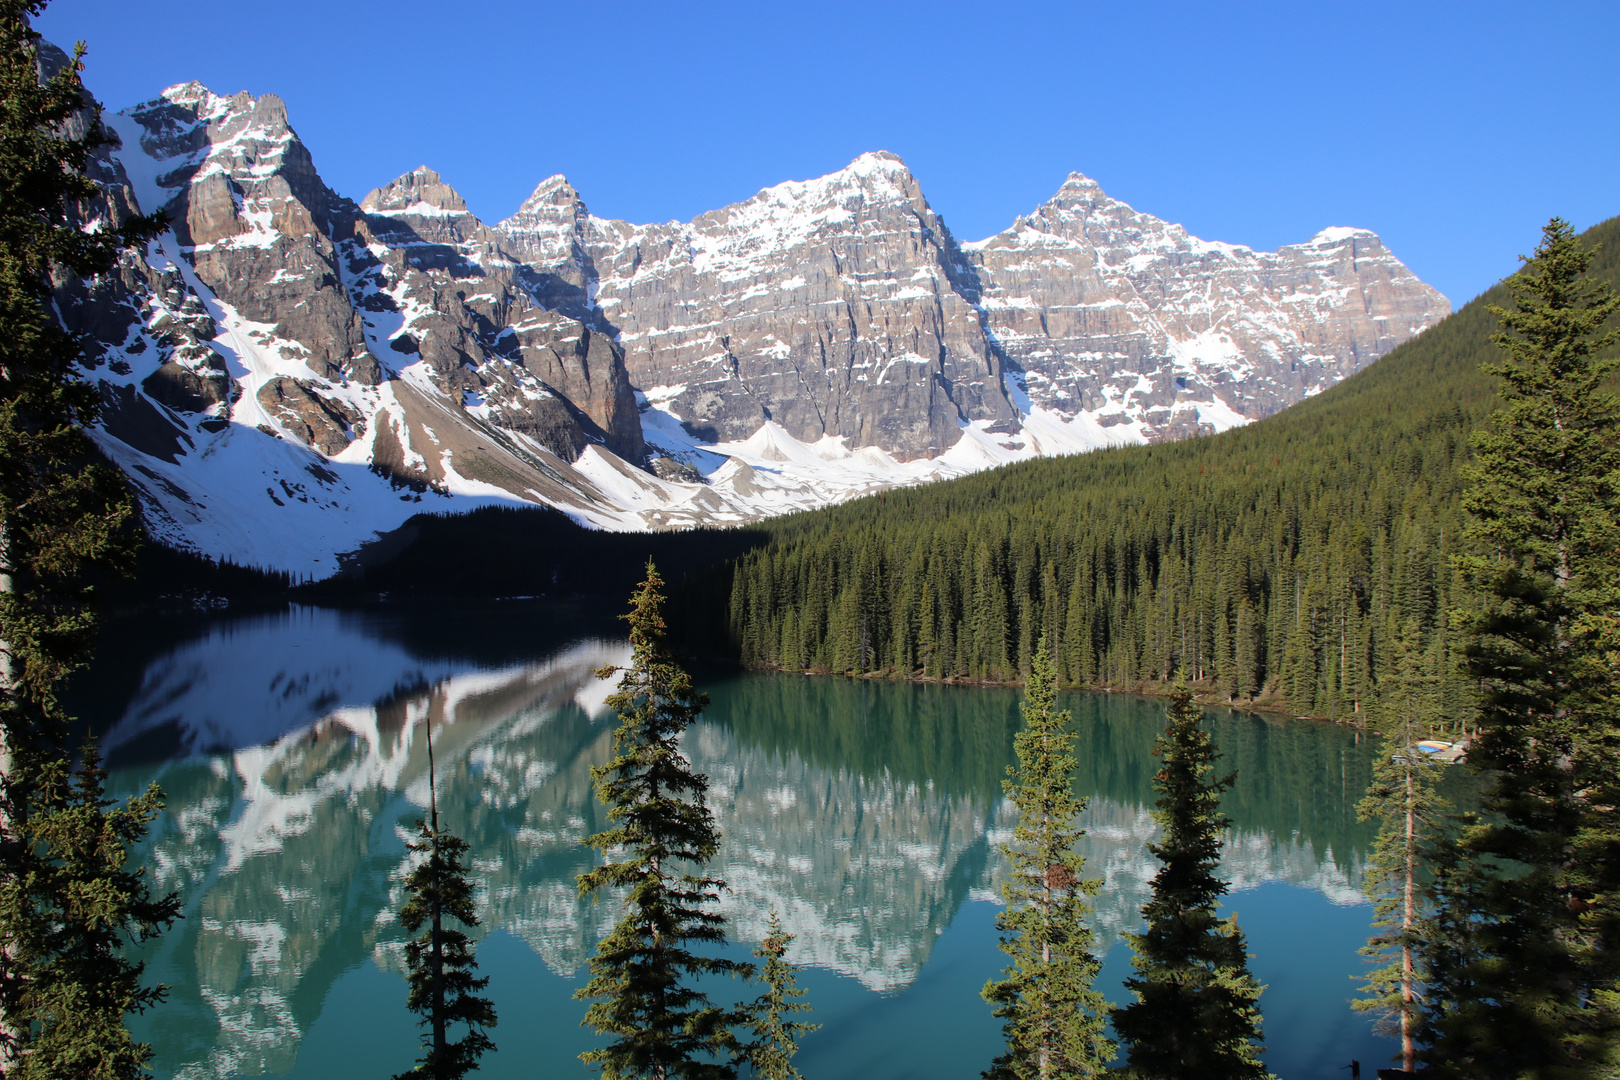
(1280, 562)
(1433, 545)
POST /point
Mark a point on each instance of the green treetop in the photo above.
(1542, 919)
(61, 513)
(776, 1034)
(68, 900)
(643, 973)
(1398, 879)
(1054, 1020)
(1194, 1017)
(443, 988)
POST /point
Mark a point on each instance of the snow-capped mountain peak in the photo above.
(288, 372)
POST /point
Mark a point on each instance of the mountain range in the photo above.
(286, 373)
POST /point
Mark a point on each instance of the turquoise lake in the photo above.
(291, 748)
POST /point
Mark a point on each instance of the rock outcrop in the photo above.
(1112, 312)
(319, 282)
(288, 372)
(832, 307)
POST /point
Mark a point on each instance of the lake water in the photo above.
(867, 814)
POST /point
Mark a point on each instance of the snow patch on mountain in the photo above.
(290, 374)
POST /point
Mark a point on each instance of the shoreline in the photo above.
(1204, 693)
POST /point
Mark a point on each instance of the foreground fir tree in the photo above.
(643, 975)
(1054, 1020)
(770, 1017)
(1194, 1017)
(68, 898)
(439, 958)
(1541, 987)
(80, 906)
(1402, 874)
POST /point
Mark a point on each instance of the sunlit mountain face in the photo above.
(293, 751)
(285, 372)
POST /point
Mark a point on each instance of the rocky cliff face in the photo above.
(287, 372)
(841, 307)
(465, 309)
(1112, 313)
(831, 307)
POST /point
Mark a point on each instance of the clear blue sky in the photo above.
(1454, 130)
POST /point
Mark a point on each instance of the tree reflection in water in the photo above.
(867, 814)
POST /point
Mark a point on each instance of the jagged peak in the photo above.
(1338, 234)
(187, 93)
(1078, 185)
(412, 192)
(876, 172)
(266, 114)
(877, 161)
(554, 190)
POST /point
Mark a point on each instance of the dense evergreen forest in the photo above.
(1281, 563)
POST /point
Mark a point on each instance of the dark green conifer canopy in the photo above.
(1195, 1016)
(642, 987)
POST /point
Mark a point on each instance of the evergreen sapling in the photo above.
(642, 976)
(776, 1034)
(1053, 1019)
(439, 958)
(1399, 878)
(1195, 1015)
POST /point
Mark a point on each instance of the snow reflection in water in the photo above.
(300, 770)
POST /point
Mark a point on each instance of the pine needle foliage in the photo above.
(1195, 1015)
(1414, 822)
(643, 975)
(443, 987)
(1053, 1020)
(1278, 560)
(1543, 504)
(77, 906)
(68, 900)
(776, 1034)
(62, 513)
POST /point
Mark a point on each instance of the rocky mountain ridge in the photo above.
(287, 373)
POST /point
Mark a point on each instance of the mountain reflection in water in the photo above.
(292, 753)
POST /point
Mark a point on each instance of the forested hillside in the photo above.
(1286, 561)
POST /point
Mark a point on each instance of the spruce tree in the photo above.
(439, 959)
(1195, 1015)
(68, 899)
(1054, 1020)
(642, 976)
(770, 1017)
(77, 908)
(1401, 875)
(1543, 507)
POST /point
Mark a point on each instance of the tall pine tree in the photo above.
(1543, 508)
(1053, 1019)
(443, 988)
(1195, 1015)
(68, 900)
(643, 973)
(1400, 876)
